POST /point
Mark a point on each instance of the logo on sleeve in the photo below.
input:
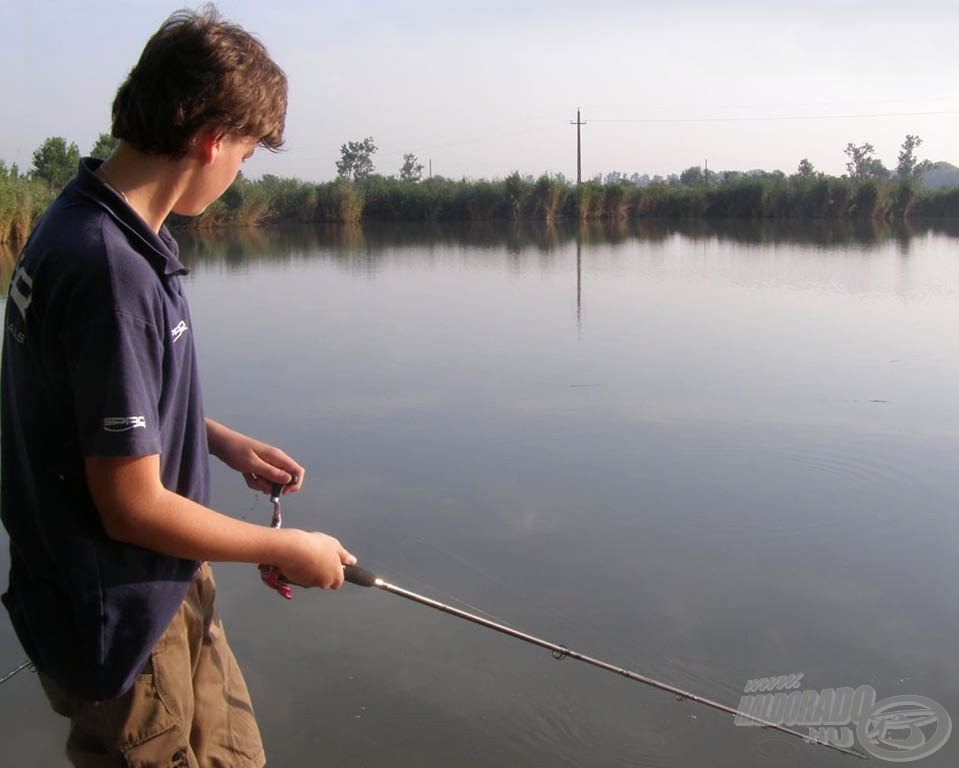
(124, 423)
(178, 330)
(21, 290)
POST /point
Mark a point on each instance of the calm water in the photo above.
(708, 455)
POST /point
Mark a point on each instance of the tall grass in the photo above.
(22, 200)
(242, 205)
(485, 201)
(518, 198)
(548, 196)
(339, 201)
(942, 204)
(273, 200)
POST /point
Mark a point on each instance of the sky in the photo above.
(480, 90)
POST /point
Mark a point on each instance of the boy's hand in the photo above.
(313, 559)
(261, 465)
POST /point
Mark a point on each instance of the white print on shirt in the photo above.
(21, 287)
(124, 423)
(17, 335)
(179, 330)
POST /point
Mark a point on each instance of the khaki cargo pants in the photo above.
(189, 707)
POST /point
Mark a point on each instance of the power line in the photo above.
(766, 118)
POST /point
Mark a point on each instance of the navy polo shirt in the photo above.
(98, 360)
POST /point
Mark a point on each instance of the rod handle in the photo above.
(359, 576)
(352, 573)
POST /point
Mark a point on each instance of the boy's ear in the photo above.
(207, 145)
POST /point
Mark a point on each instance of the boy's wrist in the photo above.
(215, 437)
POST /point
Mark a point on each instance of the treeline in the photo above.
(517, 198)
(271, 200)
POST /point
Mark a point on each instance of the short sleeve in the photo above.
(114, 356)
(115, 367)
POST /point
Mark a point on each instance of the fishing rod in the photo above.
(364, 578)
(19, 668)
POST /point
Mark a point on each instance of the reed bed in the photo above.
(272, 200)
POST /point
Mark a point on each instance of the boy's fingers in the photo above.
(297, 475)
(267, 476)
(254, 482)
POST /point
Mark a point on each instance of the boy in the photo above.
(105, 477)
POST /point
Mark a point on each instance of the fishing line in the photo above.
(499, 584)
(364, 578)
(612, 643)
(449, 595)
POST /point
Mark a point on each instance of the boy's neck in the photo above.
(150, 184)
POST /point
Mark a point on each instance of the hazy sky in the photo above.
(483, 89)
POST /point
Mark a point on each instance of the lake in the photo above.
(709, 453)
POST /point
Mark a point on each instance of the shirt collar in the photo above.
(160, 249)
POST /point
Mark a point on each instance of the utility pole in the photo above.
(579, 149)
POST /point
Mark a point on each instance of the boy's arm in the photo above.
(261, 465)
(135, 508)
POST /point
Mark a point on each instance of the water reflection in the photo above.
(236, 247)
(706, 451)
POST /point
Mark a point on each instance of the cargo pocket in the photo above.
(165, 750)
(160, 739)
(120, 726)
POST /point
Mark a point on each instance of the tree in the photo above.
(412, 170)
(104, 146)
(692, 177)
(805, 169)
(862, 164)
(55, 162)
(356, 159)
(909, 167)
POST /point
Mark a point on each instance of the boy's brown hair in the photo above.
(199, 71)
